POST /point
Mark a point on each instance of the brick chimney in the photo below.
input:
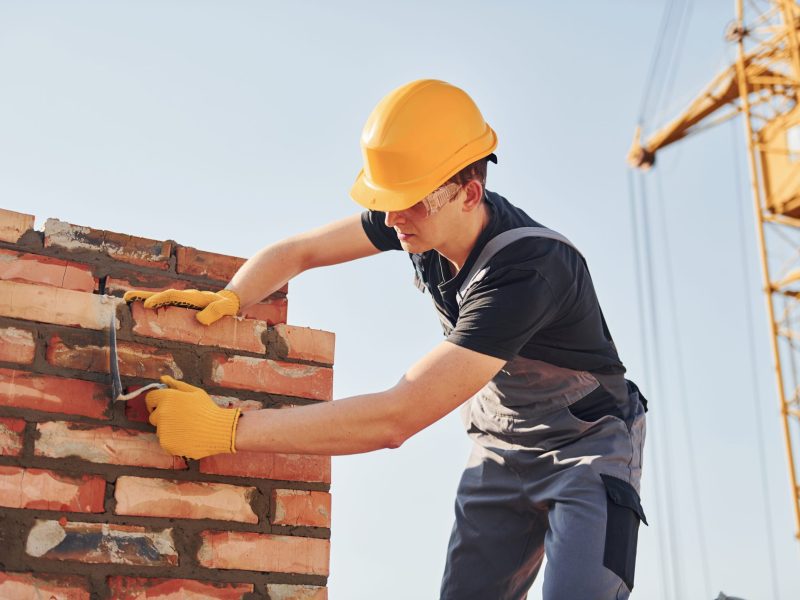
(91, 507)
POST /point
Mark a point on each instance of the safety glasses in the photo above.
(433, 202)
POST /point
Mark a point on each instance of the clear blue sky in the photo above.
(229, 125)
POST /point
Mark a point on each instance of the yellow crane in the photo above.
(762, 86)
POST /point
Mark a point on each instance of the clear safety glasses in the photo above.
(433, 202)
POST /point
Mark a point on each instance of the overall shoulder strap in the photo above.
(497, 243)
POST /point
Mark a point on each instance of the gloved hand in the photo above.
(188, 423)
(214, 305)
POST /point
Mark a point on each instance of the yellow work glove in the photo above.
(188, 423)
(212, 305)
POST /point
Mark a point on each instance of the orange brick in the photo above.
(17, 345)
(27, 586)
(101, 543)
(119, 246)
(180, 325)
(136, 410)
(33, 268)
(147, 497)
(219, 267)
(274, 377)
(47, 490)
(303, 343)
(110, 445)
(286, 591)
(135, 360)
(11, 436)
(13, 225)
(146, 282)
(287, 467)
(130, 588)
(22, 389)
(301, 507)
(273, 310)
(263, 552)
(56, 305)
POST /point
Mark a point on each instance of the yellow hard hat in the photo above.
(416, 138)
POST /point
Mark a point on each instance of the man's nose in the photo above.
(392, 217)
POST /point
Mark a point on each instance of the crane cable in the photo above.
(682, 393)
(749, 285)
(667, 31)
(671, 72)
(672, 31)
(658, 386)
(663, 551)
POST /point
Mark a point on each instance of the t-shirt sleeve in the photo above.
(382, 237)
(503, 311)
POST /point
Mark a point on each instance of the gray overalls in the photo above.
(542, 481)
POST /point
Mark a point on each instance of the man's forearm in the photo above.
(348, 426)
(266, 271)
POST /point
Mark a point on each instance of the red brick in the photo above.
(135, 360)
(130, 588)
(13, 225)
(303, 343)
(101, 543)
(263, 552)
(231, 402)
(110, 445)
(17, 345)
(47, 490)
(11, 436)
(219, 267)
(22, 389)
(56, 305)
(301, 507)
(33, 268)
(274, 377)
(181, 325)
(27, 586)
(147, 282)
(287, 467)
(286, 591)
(147, 497)
(136, 410)
(273, 310)
(119, 246)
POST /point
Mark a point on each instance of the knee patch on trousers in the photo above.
(623, 513)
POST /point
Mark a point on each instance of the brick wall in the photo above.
(91, 507)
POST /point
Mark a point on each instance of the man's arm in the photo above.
(441, 381)
(271, 267)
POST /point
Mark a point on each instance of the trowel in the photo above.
(116, 382)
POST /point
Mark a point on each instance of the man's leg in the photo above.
(496, 547)
(591, 543)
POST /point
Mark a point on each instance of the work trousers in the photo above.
(543, 482)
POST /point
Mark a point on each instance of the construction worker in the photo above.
(557, 429)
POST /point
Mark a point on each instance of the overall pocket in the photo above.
(623, 514)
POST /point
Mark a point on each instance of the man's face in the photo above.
(425, 225)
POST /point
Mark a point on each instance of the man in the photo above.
(557, 430)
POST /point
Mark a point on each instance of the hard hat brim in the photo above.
(385, 199)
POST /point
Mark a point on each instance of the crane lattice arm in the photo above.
(763, 87)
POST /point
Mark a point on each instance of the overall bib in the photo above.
(546, 477)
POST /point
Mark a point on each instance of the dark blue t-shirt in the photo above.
(537, 299)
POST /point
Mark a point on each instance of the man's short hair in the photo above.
(476, 170)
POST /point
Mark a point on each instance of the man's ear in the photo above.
(474, 191)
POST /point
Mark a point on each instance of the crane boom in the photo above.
(762, 86)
